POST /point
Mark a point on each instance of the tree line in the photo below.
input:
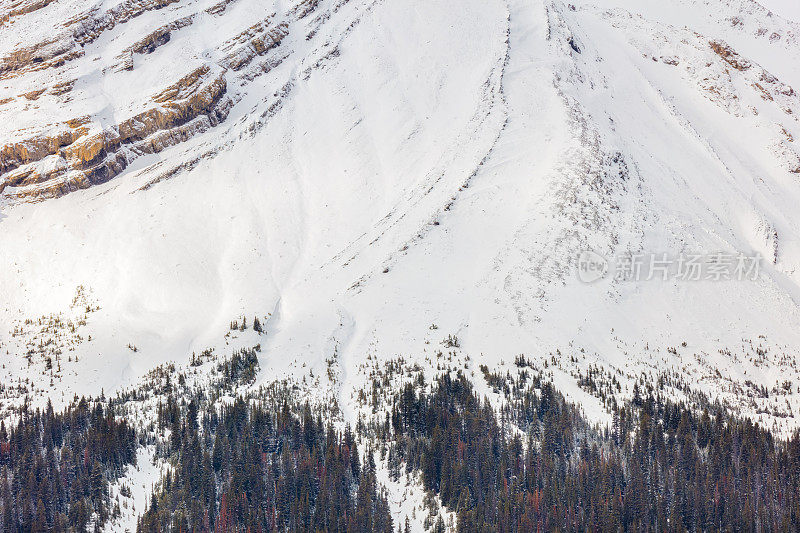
(533, 464)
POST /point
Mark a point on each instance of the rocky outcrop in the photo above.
(90, 148)
(33, 174)
(53, 159)
(19, 153)
(68, 44)
(729, 55)
(49, 54)
(180, 103)
(79, 153)
(24, 7)
(256, 41)
(92, 26)
(159, 37)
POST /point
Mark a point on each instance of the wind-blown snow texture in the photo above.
(381, 166)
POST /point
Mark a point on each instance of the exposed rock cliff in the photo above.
(46, 75)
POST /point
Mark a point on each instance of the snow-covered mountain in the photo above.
(369, 177)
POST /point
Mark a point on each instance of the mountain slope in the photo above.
(356, 172)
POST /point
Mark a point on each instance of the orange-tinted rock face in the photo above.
(729, 55)
(193, 95)
(68, 44)
(84, 154)
(90, 147)
(54, 152)
(19, 153)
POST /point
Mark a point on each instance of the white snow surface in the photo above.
(789, 9)
(418, 162)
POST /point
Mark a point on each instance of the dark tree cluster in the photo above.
(536, 464)
(242, 367)
(251, 467)
(661, 467)
(55, 468)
